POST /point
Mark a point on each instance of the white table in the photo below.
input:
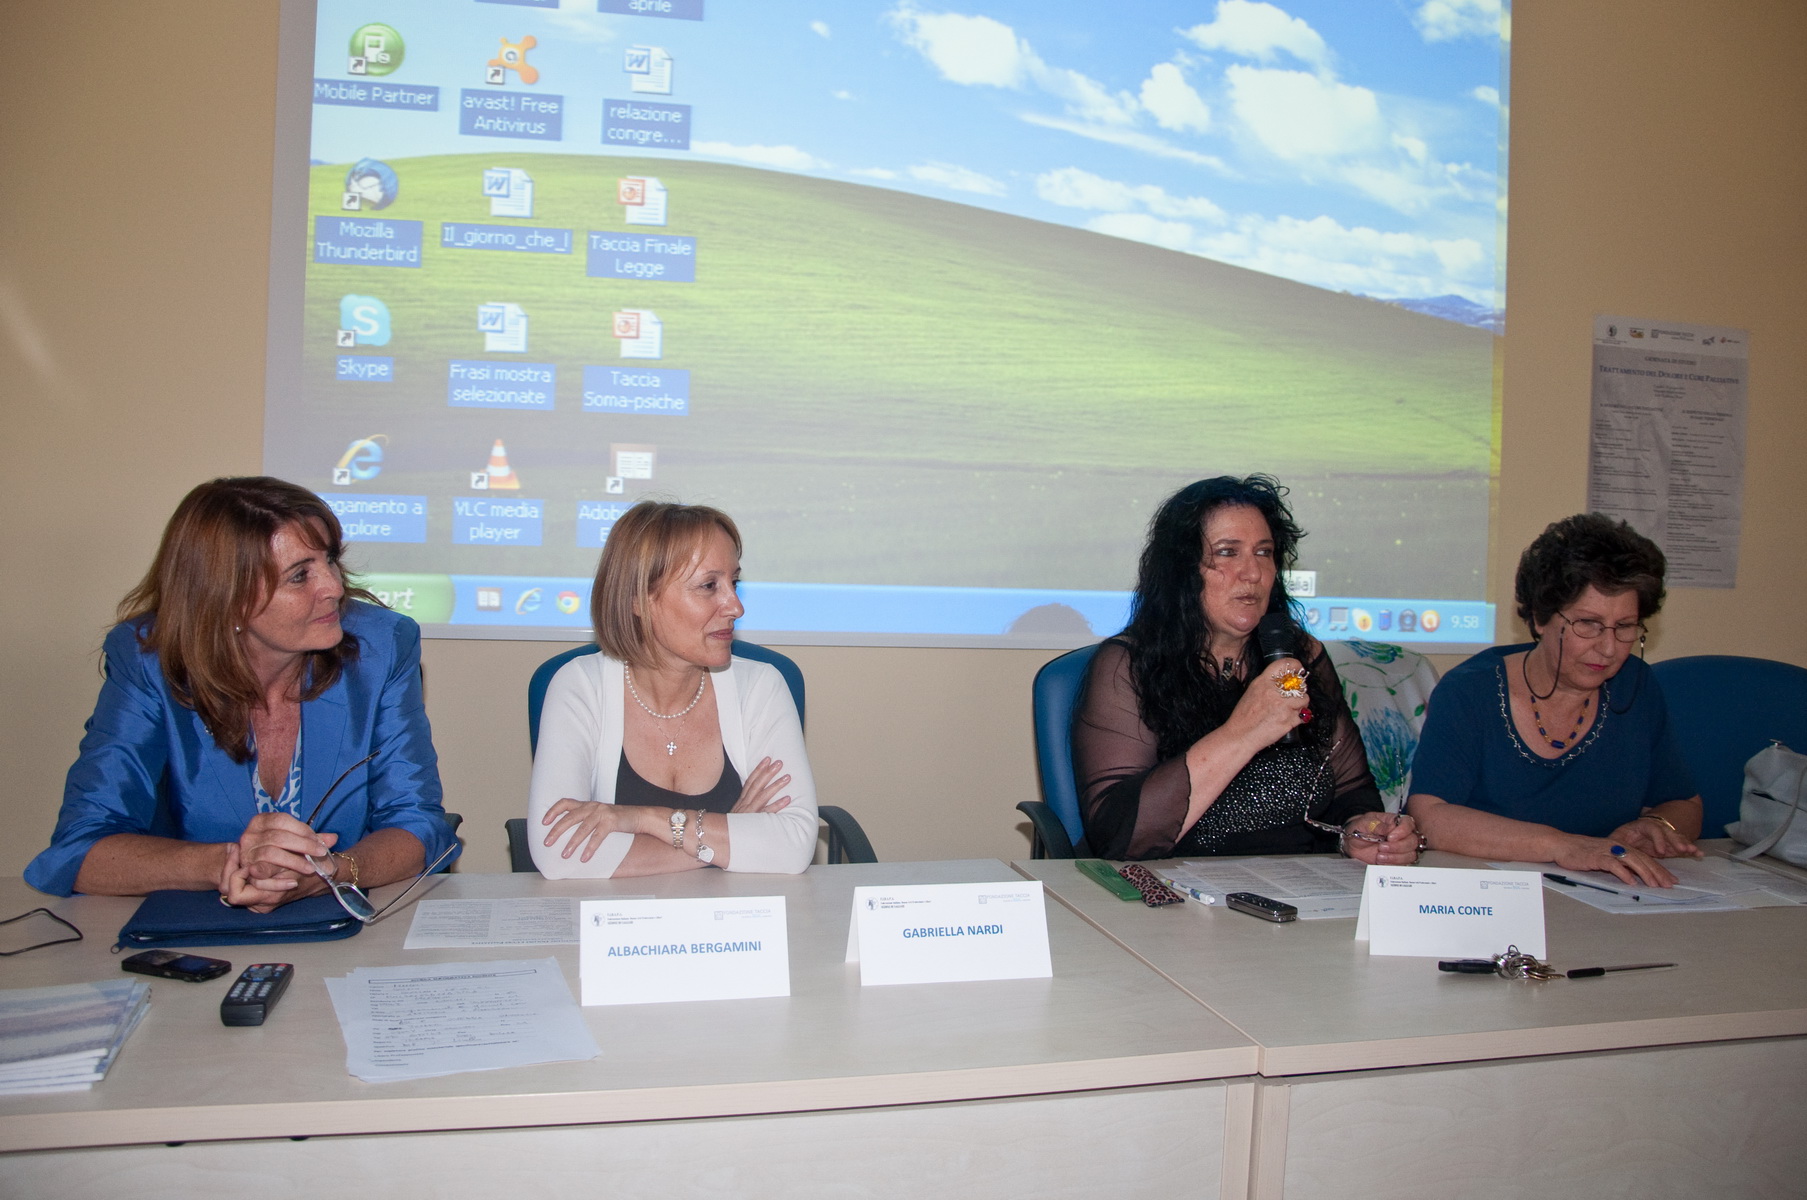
(1105, 1077)
(1384, 1076)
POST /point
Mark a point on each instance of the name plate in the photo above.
(1446, 912)
(949, 933)
(654, 951)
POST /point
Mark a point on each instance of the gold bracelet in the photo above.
(1664, 820)
(354, 867)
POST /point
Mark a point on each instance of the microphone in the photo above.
(1277, 637)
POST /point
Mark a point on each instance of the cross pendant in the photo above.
(671, 748)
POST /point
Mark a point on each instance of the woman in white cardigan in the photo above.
(664, 752)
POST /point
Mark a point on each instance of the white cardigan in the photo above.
(580, 751)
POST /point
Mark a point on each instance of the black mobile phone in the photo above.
(190, 968)
(1261, 906)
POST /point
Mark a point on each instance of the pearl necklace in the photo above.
(671, 747)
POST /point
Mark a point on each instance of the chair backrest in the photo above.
(1056, 694)
(542, 678)
(1387, 688)
(1724, 708)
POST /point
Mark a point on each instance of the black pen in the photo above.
(1593, 972)
(1565, 881)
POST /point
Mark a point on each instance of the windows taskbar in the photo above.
(563, 603)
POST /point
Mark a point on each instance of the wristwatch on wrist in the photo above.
(704, 854)
(677, 828)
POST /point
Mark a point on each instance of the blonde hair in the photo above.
(215, 569)
(651, 541)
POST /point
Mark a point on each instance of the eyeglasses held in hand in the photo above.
(350, 898)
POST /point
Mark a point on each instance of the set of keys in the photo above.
(1513, 963)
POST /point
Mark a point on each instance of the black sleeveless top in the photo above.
(630, 788)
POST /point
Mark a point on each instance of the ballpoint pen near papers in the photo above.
(1565, 881)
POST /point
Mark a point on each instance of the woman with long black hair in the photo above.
(1180, 742)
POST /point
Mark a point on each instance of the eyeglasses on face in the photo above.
(1588, 629)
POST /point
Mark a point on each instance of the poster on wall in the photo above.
(1666, 446)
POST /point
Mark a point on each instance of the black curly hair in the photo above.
(1181, 696)
(1583, 551)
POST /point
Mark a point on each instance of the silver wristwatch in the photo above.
(677, 828)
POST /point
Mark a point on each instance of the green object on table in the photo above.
(1106, 877)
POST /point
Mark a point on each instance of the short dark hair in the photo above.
(1583, 551)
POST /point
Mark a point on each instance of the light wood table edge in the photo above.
(1279, 1061)
(415, 1114)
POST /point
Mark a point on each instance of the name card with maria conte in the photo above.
(1448, 912)
(653, 951)
(949, 932)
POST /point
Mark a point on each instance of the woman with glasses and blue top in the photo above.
(1560, 751)
(245, 681)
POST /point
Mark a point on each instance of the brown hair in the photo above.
(214, 570)
(653, 539)
(1583, 551)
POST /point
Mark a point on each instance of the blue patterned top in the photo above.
(1472, 755)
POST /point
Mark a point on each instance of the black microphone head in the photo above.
(1277, 637)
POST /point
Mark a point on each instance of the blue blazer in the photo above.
(148, 765)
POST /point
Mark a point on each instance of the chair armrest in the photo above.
(520, 858)
(1048, 837)
(847, 842)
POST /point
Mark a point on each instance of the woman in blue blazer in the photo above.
(243, 680)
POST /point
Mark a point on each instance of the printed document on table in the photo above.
(1317, 885)
(1626, 898)
(422, 1020)
(522, 921)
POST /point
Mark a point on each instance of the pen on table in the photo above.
(1183, 889)
(1565, 881)
(1593, 972)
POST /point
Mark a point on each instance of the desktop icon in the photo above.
(527, 602)
(1385, 620)
(649, 68)
(489, 599)
(363, 321)
(642, 199)
(509, 192)
(375, 50)
(498, 476)
(1339, 619)
(640, 332)
(567, 602)
(1364, 622)
(1408, 620)
(362, 460)
(1311, 616)
(370, 184)
(1430, 620)
(513, 57)
(504, 328)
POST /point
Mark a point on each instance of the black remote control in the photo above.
(254, 993)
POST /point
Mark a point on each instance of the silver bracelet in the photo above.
(704, 854)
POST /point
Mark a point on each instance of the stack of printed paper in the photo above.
(63, 1039)
(1317, 885)
(413, 1022)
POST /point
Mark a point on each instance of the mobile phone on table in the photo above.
(1261, 906)
(170, 964)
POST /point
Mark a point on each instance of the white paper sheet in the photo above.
(1318, 886)
(412, 1022)
(1708, 885)
(523, 921)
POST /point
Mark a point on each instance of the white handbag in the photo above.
(1775, 786)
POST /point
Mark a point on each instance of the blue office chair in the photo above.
(1056, 830)
(847, 842)
(1723, 709)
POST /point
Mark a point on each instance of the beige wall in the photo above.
(1657, 172)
